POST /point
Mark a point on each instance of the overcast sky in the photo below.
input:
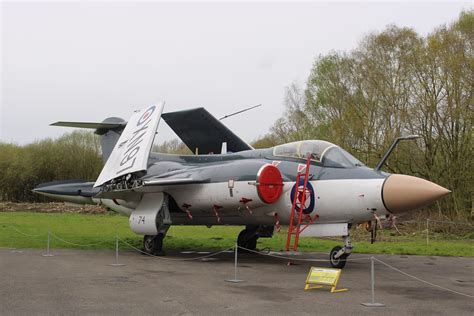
(85, 61)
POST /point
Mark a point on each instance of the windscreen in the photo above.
(339, 158)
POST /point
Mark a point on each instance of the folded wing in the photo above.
(198, 129)
(131, 152)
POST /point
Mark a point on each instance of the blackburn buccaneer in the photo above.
(227, 182)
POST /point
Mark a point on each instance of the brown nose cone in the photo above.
(403, 193)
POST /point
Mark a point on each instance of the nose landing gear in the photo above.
(338, 255)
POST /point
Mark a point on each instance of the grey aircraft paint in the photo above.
(219, 188)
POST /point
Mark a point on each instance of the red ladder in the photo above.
(300, 196)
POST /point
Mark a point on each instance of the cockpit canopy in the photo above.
(323, 152)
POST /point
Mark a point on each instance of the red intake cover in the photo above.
(269, 184)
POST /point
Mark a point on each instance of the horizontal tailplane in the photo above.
(109, 130)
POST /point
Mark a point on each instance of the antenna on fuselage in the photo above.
(238, 112)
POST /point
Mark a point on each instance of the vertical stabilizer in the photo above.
(110, 137)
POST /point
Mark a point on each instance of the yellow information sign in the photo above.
(317, 277)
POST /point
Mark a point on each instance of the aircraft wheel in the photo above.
(252, 243)
(340, 262)
(153, 245)
(247, 239)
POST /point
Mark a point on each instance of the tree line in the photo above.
(394, 83)
(73, 156)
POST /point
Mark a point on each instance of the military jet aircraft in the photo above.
(227, 182)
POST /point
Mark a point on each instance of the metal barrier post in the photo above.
(372, 285)
(427, 231)
(13, 249)
(116, 264)
(48, 254)
(235, 280)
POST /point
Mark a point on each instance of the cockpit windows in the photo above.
(315, 149)
(302, 149)
(336, 158)
(321, 151)
(286, 150)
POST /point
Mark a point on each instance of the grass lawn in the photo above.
(29, 230)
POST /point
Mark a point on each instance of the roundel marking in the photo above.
(146, 115)
(309, 200)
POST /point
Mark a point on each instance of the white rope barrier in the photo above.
(175, 259)
(435, 221)
(79, 245)
(448, 222)
(364, 258)
(57, 237)
(300, 259)
(25, 234)
(423, 281)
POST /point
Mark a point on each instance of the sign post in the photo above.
(318, 277)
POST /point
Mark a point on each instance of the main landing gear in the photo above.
(153, 245)
(248, 237)
(338, 255)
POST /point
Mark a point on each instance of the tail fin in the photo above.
(110, 130)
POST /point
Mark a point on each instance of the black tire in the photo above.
(153, 245)
(247, 239)
(252, 243)
(340, 262)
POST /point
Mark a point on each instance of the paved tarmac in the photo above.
(78, 282)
